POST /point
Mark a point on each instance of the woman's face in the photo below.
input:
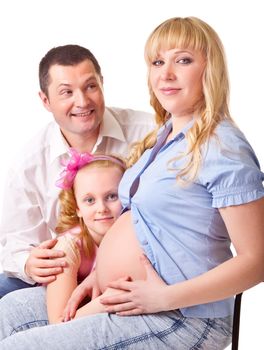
(175, 76)
(96, 193)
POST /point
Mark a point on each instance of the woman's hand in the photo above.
(88, 287)
(139, 297)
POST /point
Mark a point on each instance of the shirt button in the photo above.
(135, 221)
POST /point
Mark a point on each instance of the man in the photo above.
(71, 86)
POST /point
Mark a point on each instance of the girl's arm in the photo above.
(245, 224)
(60, 290)
(95, 306)
(88, 287)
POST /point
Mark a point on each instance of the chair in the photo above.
(236, 322)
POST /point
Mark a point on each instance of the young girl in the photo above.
(89, 205)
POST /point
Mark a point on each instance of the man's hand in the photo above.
(88, 287)
(44, 263)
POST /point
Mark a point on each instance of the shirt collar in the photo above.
(184, 130)
(109, 128)
(58, 144)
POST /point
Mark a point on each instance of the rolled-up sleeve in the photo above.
(231, 171)
(22, 224)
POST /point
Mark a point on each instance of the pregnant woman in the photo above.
(195, 186)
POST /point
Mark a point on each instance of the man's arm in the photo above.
(22, 228)
(44, 263)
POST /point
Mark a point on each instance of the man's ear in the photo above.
(100, 81)
(45, 100)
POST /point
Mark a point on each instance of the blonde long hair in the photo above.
(190, 32)
(68, 218)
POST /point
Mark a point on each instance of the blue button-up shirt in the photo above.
(180, 228)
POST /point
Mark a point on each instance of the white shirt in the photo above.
(30, 204)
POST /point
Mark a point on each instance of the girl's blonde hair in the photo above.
(68, 218)
(192, 33)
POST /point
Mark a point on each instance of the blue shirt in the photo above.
(180, 228)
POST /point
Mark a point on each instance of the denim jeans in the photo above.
(8, 284)
(23, 326)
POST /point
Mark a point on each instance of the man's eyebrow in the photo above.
(91, 78)
(64, 84)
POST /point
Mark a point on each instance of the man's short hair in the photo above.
(67, 55)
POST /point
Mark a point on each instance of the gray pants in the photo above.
(23, 326)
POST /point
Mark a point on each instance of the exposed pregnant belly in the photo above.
(119, 252)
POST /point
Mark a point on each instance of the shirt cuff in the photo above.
(20, 261)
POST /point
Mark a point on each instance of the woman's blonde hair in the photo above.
(68, 218)
(192, 33)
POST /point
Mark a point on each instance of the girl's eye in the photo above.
(157, 63)
(111, 197)
(89, 200)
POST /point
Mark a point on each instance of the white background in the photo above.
(116, 31)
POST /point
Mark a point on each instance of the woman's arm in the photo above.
(60, 290)
(245, 224)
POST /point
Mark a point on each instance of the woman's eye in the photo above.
(112, 197)
(157, 63)
(185, 60)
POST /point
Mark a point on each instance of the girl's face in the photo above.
(176, 79)
(97, 198)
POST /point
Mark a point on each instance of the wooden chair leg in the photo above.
(236, 322)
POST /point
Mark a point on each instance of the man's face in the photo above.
(75, 99)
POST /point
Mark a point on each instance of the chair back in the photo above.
(236, 321)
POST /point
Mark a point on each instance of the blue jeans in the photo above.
(8, 284)
(23, 312)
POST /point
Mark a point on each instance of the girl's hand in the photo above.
(139, 297)
(88, 287)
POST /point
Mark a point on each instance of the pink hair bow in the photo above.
(71, 166)
(76, 162)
